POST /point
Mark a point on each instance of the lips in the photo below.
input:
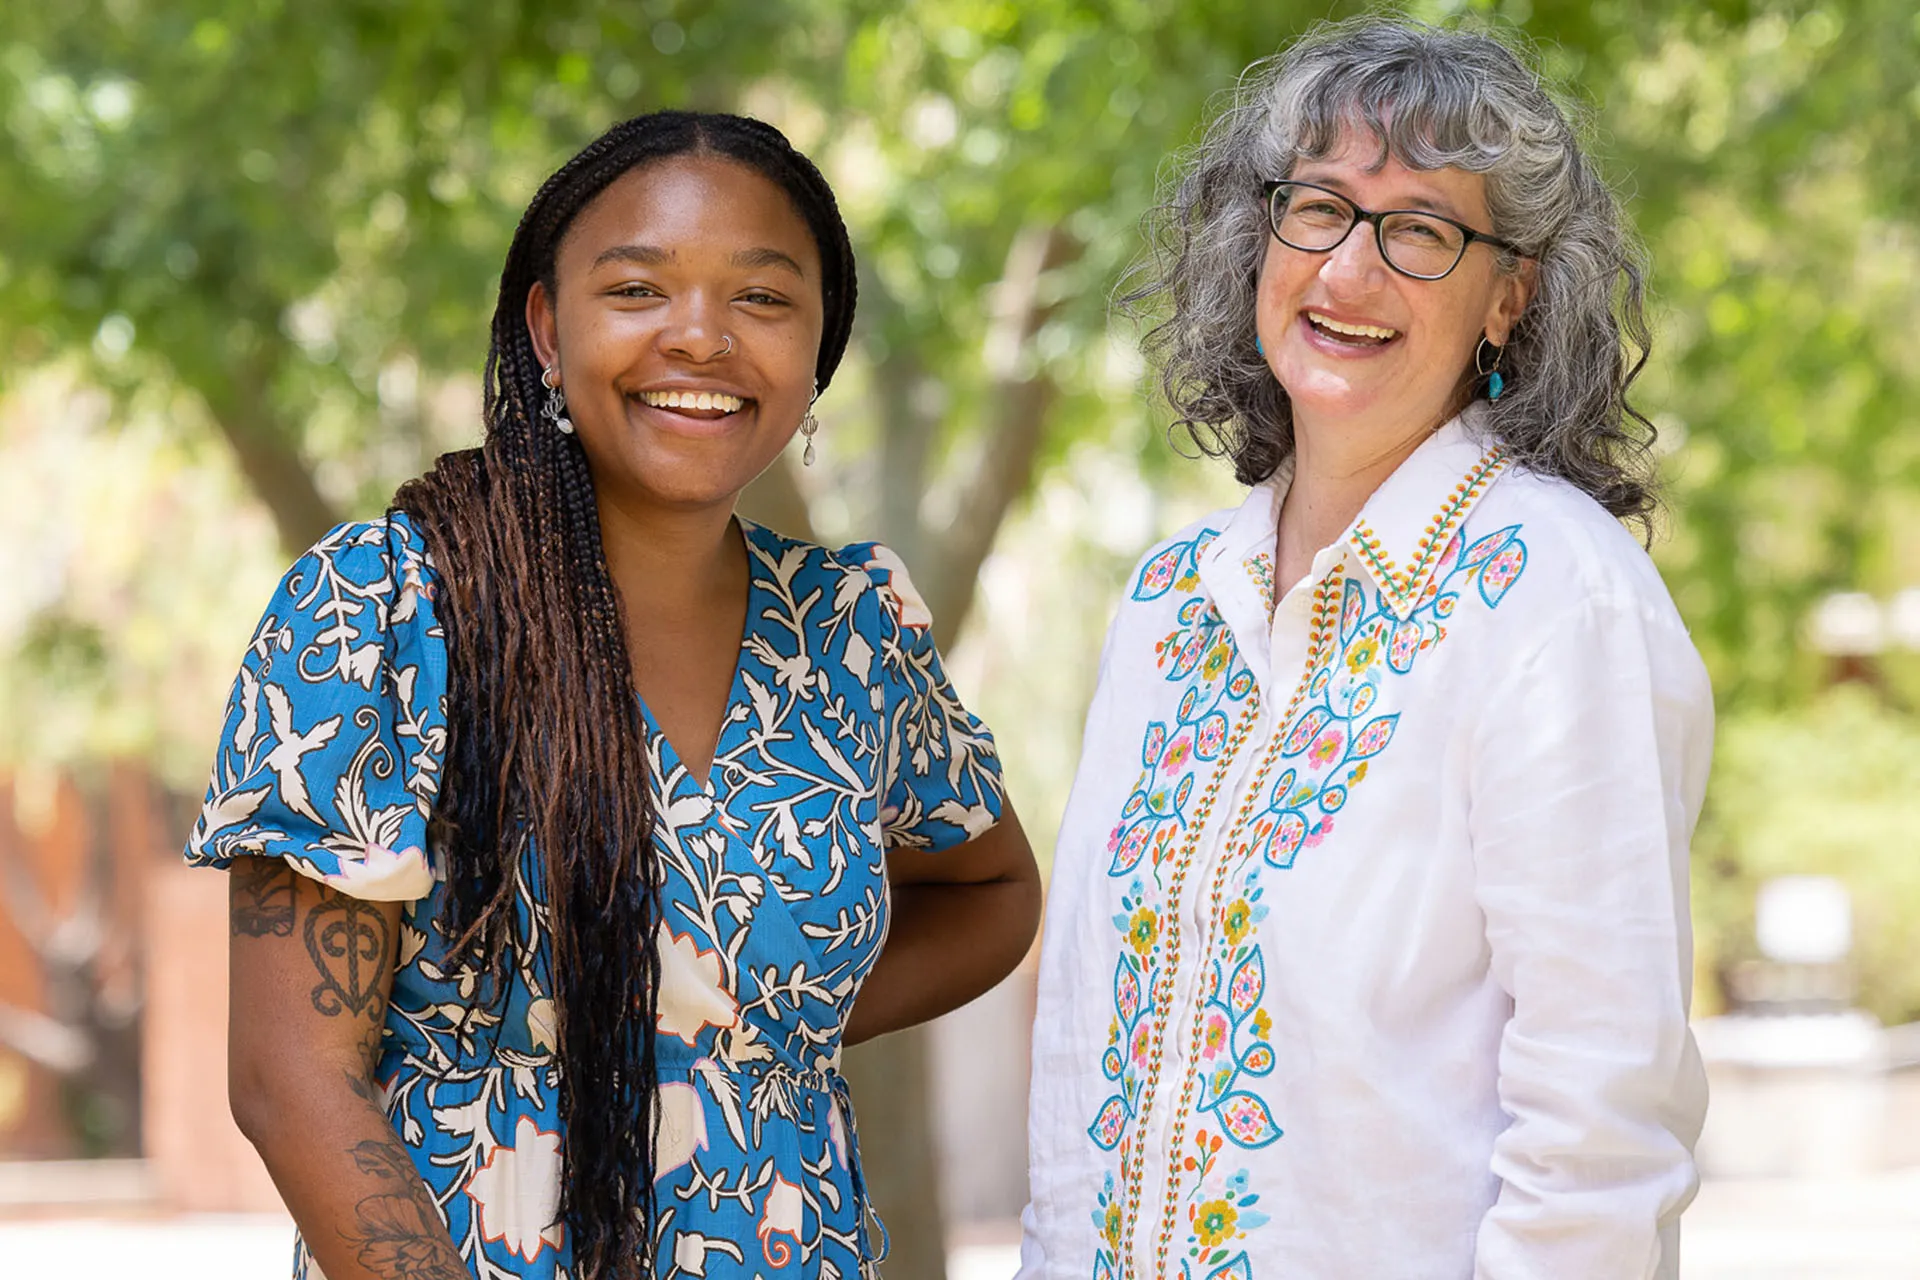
(692, 403)
(1352, 333)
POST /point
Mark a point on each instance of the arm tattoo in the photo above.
(398, 1230)
(262, 901)
(347, 941)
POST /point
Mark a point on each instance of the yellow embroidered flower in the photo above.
(1262, 1024)
(1362, 653)
(1238, 920)
(1215, 1221)
(1111, 1227)
(1217, 659)
(1143, 930)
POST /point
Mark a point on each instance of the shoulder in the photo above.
(363, 583)
(1173, 563)
(857, 573)
(1575, 551)
(389, 548)
(1582, 585)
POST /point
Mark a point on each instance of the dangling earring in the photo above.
(555, 409)
(1495, 383)
(808, 425)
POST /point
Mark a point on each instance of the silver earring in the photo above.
(808, 426)
(555, 409)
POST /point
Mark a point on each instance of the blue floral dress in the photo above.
(842, 738)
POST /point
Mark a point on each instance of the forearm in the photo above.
(361, 1206)
(947, 944)
(311, 970)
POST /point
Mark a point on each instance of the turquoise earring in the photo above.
(1495, 383)
(1259, 346)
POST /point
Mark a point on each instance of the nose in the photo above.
(696, 331)
(1354, 265)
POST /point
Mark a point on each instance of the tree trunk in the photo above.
(889, 1080)
(262, 443)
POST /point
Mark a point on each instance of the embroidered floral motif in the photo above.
(1360, 637)
(1326, 738)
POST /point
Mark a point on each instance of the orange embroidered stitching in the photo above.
(1438, 533)
(1135, 1177)
(1326, 613)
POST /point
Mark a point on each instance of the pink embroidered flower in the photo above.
(1177, 753)
(1214, 1037)
(1325, 748)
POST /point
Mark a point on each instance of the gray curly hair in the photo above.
(1433, 99)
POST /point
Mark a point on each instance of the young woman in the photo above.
(566, 814)
(1367, 949)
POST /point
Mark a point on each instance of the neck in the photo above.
(1336, 469)
(670, 562)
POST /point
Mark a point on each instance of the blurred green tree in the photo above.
(292, 216)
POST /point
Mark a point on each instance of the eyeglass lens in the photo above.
(1315, 220)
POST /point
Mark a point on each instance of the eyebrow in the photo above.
(644, 255)
(767, 258)
(1410, 202)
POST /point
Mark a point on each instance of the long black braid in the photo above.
(545, 736)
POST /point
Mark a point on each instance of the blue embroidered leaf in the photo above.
(1156, 742)
(1246, 1121)
(1128, 852)
(1305, 729)
(1403, 647)
(1158, 575)
(1248, 985)
(1110, 1124)
(1284, 843)
(1248, 1221)
(1502, 572)
(1484, 550)
(1373, 739)
(1353, 606)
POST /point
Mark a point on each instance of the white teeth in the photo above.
(1357, 330)
(693, 400)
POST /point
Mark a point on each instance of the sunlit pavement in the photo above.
(1851, 1229)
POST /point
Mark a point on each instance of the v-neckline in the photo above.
(670, 754)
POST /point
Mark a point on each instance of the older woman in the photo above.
(565, 813)
(1367, 950)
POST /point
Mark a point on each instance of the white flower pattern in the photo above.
(842, 738)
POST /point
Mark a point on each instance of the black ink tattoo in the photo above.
(347, 940)
(398, 1230)
(261, 898)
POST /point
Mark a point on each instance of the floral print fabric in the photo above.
(842, 738)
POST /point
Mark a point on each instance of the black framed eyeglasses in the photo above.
(1426, 246)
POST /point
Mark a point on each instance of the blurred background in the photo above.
(247, 256)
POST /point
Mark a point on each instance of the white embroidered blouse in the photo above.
(1367, 954)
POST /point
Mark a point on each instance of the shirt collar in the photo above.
(1401, 534)
(1399, 537)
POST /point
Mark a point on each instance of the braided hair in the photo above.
(545, 735)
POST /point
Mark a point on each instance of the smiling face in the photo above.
(685, 323)
(1366, 355)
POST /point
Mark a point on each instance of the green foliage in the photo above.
(272, 231)
(1829, 788)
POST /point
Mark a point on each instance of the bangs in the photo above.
(1422, 112)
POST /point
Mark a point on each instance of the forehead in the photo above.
(693, 207)
(1360, 162)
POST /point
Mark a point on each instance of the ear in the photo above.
(542, 327)
(1511, 296)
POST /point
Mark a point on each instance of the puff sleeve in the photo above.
(335, 733)
(942, 782)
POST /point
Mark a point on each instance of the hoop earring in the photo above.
(1495, 383)
(808, 426)
(555, 408)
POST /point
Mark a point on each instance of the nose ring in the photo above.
(729, 347)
